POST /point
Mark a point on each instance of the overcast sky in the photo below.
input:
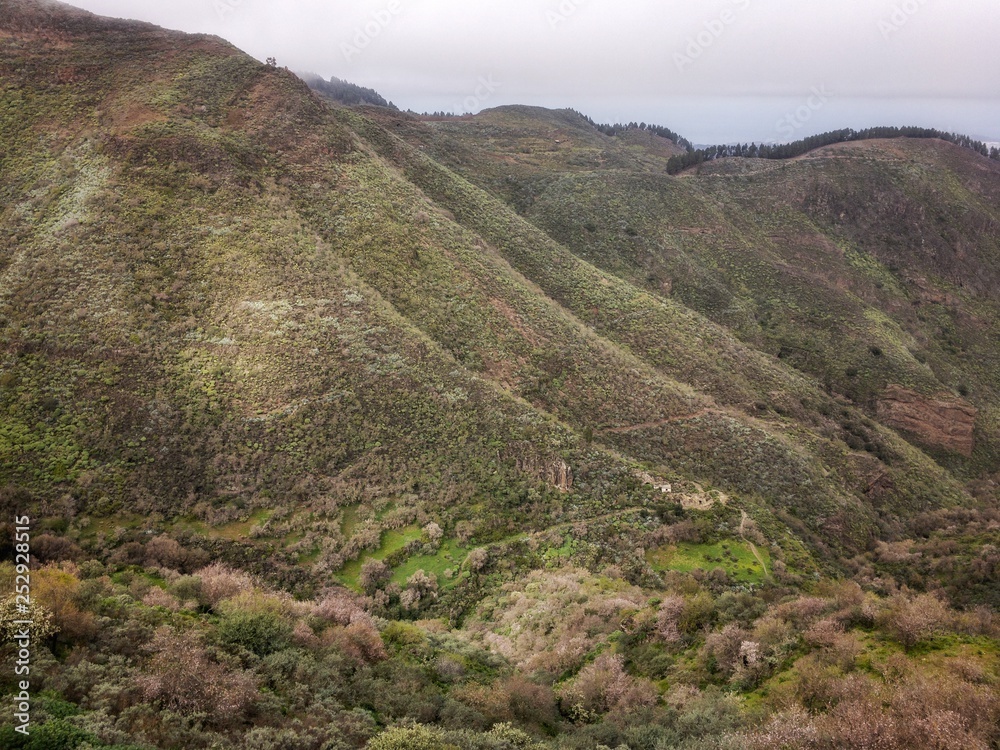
(714, 70)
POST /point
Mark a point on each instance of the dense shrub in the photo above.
(182, 677)
(411, 738)
(261, 633)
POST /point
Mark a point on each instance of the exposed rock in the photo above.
(560, 474)
(943, 421)
(555, 471)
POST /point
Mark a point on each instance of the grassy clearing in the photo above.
(736, 558)
(449, 557)
(350, 522)
(392, 541)
(98, 527)
(241, 529)
(233, 531)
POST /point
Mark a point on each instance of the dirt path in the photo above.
(604, 517)
(753, 547)
(659, 423)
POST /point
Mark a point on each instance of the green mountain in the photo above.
(490, 406)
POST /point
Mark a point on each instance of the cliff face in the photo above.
(942, 422)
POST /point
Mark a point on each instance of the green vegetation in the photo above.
(737, 559)
(391, 543)
(443, 565)
(798, 148)
(340, 426)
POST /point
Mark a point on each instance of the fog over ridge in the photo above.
(894, 62)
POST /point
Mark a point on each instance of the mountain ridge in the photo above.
(344, 396)
(520, 258)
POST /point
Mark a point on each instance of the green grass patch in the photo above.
(736, 558)
(309, 558)
(233, 531)
(241, 529)
(450, 556)
(350, 521)
(107, 525)
(566, 550)
(932, 653)
(392, 541)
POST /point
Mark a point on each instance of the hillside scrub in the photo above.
(344, 427)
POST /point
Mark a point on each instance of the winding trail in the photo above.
(569, 524)
(659, 423)
(753, 547)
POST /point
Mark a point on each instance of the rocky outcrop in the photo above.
(560, 474)
(555, 471)
(942, 421)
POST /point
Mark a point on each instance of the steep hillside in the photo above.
(181, 340)
(468, 373)
(271, 310)
(865, 265)
(517, 150)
